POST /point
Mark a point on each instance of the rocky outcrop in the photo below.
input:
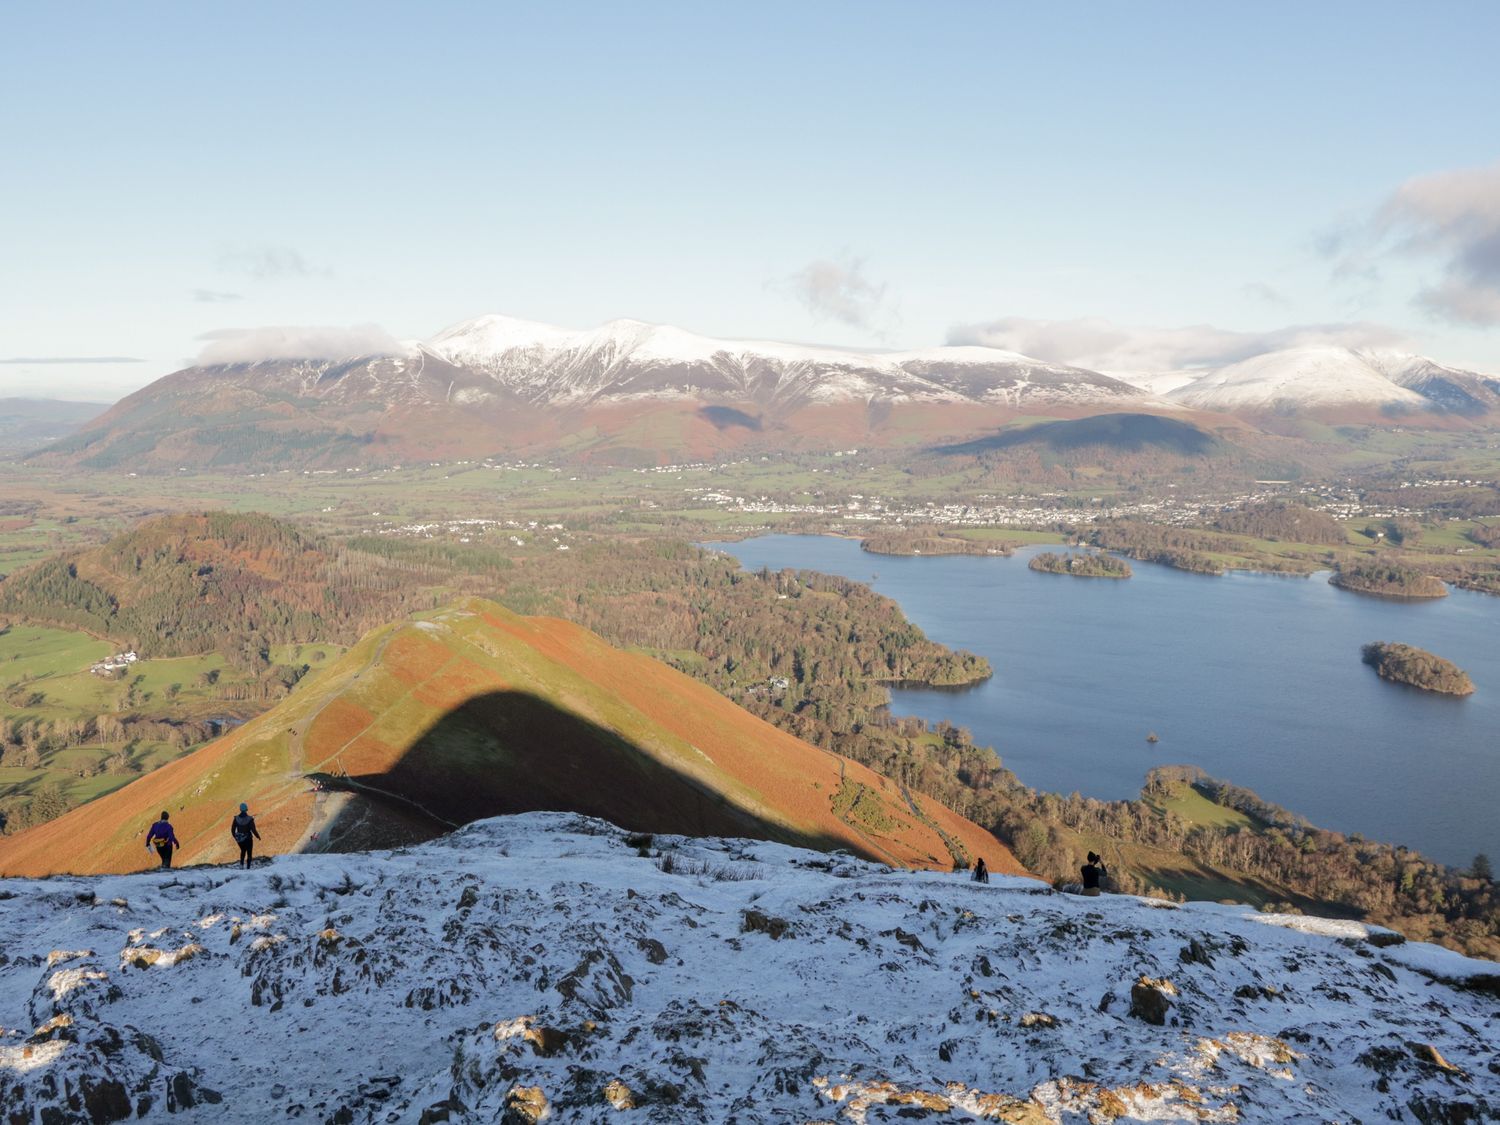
(580, 982)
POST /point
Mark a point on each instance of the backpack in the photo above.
(242, 828)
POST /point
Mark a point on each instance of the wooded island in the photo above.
(1086, 564)
(1404, 664)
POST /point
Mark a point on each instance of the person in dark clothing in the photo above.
(161, 837)
(243, 829)
(1094, 874)
(981, 872)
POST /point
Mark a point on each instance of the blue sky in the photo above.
(864, 174)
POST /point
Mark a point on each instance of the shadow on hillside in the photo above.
(1124, 432)
(513, 752)
(727, 417)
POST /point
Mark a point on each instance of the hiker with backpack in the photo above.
(981, 872)
(161, 837)
(243, 829)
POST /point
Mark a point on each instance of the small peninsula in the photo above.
(1388, 580)
(1085, 564)
(1405, 664)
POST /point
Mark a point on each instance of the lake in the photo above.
(1255, 678)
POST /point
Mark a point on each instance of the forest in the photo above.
(1182, 548)
(1387, 579)
(1290, 523)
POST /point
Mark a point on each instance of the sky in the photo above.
(1132, 186)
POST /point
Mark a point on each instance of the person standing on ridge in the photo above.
(243, 829)
(161, 837)
(981, 872)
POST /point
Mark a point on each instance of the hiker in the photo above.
(1094, 874)
(981, 872)
(243, 829)
(161, 837)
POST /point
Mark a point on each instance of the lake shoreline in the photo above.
(1255, 681)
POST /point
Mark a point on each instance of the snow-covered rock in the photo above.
(550, 967)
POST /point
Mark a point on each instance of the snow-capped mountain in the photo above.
(1332, 377)
(631, 360)
(550, 967)
(501, 385)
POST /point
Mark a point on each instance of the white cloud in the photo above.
(839, 290)
(252, 345)
(215, 296)
(1103, 345)
(1451, 219)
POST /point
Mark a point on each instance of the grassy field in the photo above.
(1193, 807)
(30, 652)
(45, 677)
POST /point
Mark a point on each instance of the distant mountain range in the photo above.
(30, 423)
(501, 386)
(634, 391)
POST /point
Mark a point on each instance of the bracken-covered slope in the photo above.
(541, 968)
(474, 711)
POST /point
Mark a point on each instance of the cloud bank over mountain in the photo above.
(255, 345)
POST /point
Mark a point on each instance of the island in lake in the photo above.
(1085, 564)
(1405, 664)
(930, 541)
(1388, 580)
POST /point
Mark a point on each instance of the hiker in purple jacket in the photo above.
(161, 837)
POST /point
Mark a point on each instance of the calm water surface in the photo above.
(1255, 678)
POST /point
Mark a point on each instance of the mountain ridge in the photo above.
(551, 967)
(630, 391)
(471, 711)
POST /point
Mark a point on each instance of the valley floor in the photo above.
(550, 966)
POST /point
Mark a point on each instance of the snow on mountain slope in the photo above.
(1296, 377)
(1157, 382)
(1447, 388)
(627, 359)
(1320, 377)
(541, 967)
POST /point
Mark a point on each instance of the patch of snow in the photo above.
(538, 965)
(1305, 377)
